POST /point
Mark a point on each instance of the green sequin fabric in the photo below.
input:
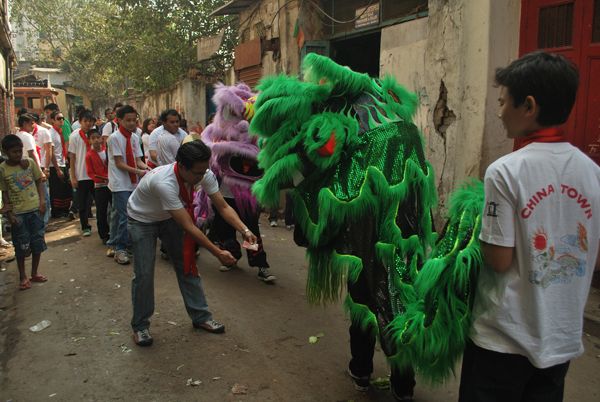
(364, 210)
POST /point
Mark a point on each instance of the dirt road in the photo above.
(87, 353)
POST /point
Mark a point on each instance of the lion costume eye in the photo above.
(325, 137)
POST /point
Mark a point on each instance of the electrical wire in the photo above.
(315, 5)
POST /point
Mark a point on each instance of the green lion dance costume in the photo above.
(363, 194)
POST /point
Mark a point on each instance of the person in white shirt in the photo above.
(147, 128)
(61, 193)
(162, 207)
(112, 123)
(168, 138)
(26, 124)
(125, 168)
(43, 143)
(540, 239)
(79, 145)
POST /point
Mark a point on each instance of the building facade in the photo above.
(7, 64)
(445, 51)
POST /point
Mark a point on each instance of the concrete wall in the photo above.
(449, 59)
(188, 97)
(257, 24)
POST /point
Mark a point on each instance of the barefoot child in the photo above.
(23, 193)
(96, 162)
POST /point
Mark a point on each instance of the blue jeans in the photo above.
(143, 236)
(28, 234)
(119, 238)
(46, 216)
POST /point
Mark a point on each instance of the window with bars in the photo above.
(555, 26)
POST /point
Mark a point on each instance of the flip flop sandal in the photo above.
(25, 285)
(38, 278)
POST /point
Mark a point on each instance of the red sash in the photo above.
(129, 152)
(189, 245)
(37, 147)
(85, 139)
(62, 142)
(551, 134)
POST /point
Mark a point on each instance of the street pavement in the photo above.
(86, 354)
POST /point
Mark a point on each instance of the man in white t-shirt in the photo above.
(79, 145)
(540, 240)
(43, 142)
(112, 124)
(125, 168)
(162, 207)
(26, 125)
(168, 138)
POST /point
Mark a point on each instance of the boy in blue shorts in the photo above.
(24, 198)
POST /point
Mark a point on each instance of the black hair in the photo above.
(125, 110)
(79, 109)
(549, 78)
(22, 111)
(55, 113)
(192, 152)
(145, 125)
(117, 106)
(24, 118)
(35, 117)
(93, 130)
(183, 124)
(52, 106)
(169, 112)
(11, 141)
(107, 110)
(86, 114)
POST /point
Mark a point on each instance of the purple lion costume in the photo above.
(234, 163)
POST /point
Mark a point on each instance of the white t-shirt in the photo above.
(109, 128)
(146, 143)
(167, 145)
(41, 138)
(76, 125)
(28, 145)
(57, 144)
(158, 193)
(119, 180)
(77, 147)
(543, 200)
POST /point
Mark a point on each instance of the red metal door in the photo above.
(571, 28)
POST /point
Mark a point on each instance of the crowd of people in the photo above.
(54, 169)
(142, 181)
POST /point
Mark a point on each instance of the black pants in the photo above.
(288, 212)
(85, 195)
(489, 376)
(223, 235)
(362, 347)
(103, 198)
(61, 193)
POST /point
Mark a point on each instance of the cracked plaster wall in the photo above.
(449, 59)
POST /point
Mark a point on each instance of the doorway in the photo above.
(360, 53)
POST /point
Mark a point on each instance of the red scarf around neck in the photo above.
(85, 139)
(551, 134)
(130, 159)
(62, 141)
(189, 245)
(37, 147)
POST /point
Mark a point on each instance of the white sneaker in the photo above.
(110, 252)
(227, 268)
(273, 224)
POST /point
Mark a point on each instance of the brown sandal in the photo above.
(25, 285)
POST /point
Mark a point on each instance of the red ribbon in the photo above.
(62, 142)
(129, 152)
(37, 148)
(85, 139)
(189, 245)
(551, 134)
